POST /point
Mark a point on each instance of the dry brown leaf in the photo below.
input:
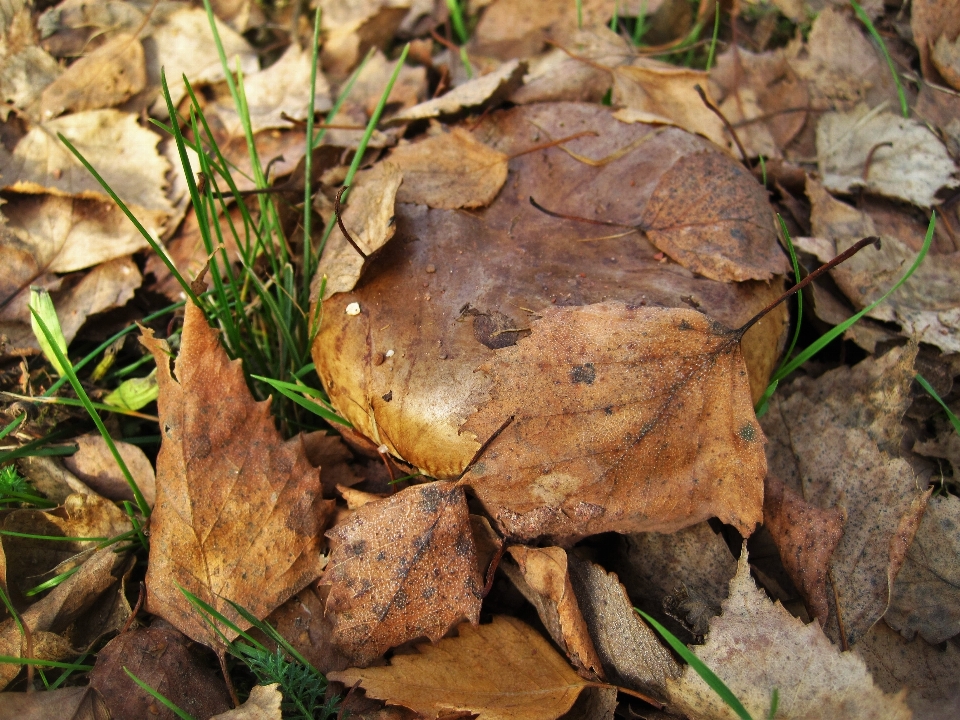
(927, 673)
(486, 90)
(73, 703)
(72, 28)
(49, 476)
(504, 671)
(63, 606)
(930, 20)
(330, 453)
(926, 306)
(926, 593)
(946, 58)
(404, 373)
(409, 89)
(906, 160)
(113, 142)
(239, 515)
(629, 420)
(707, 215)
(263, 704)
(25, 69)
(301, 621)
(352, 28)
(402, 568)
(655, 92)
(631, 653)
(169, 663)
(450, 170)
(368, 217)
(106, 77)
(756, 646)
(283, 89)
(653, 566)
(834, 440)
(806, 537)
(542, 577)
(95, 465)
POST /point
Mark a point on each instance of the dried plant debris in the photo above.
(239, 515)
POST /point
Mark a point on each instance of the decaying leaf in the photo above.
(929, 20)
(72, 703)
(106, 77)
(927, 303)
(756, 646)
(885, 153)
(369, 219)
(519, 28)
(95, 465)
(239, 515)
(450, 170)
(806, 536)
(617, 418)
(263, 704)
(302, 622)
(542, 577)
(169, 663)
(25, 69)
(350, 29)
(504, 671)
(946, 58)
(63, 606)
(926, 594)
(631, 653)
(402, 568)
(835, 441)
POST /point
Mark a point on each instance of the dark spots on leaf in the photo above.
(388, 396)
(747, 433)
(428, 593)
(400, 600)
(585, 373)
(684, 325)
(495, 330)
(357, 548)
(381, 556)
(430, 499)
(380, 611)
(463, 547)
(608, 410)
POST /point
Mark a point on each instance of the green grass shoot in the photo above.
(641, 27)
(933, 393)
(182, 714)
(865, 19)
(713, 41)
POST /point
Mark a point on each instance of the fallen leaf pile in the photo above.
(535, 312)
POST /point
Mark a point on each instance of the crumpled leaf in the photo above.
(64, 605)
(71, 703)
(946, 58)
(755, 646)
(519, 28)
(108, 76)
(25, 69)
(926, 305)
(450, 170)
(95, 465)
(402, 568)
(169, 663)
(504, 671)
(302, 622)
(631, 653)
(113, 142)
(806, 536)
(926, 593)
(239, 514)
(283, 89)
(263, 704)
(618, 418)
(350, 29)
(542, 576)
(835, 440)
(486, 90)
(368, 217)
(930, 20)
(906, 160)
(658, 93)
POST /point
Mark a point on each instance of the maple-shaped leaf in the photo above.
(504, 671)
(401, 568)
(619, 418)
(756, 646)
(239, 514)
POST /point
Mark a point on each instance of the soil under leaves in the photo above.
(550, 411)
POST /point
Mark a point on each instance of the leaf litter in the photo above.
(474, 349)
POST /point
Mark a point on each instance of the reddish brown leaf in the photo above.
(402, 568)
(806, 537)
(74, 703)
(618, 418)
(239, 514)
(169, 663)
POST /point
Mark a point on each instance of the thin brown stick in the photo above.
(726, 123)
(28, 637)
(136, 609)
(492, 568)
(775, 114)
(486, 444)
(869, 161)
(554, 143)
(443, 41)
(222, 657)
(575, 218)
(845, 255)
(343, 229)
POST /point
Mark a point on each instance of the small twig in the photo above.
(845, 255)
(726, 123)
(561, 216)
(554, 143)
(343, 229)
(869, 160)
(492, 568)
(222, 657)
(136, 609)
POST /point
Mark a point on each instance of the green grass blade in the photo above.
(579, 14)
(308, 158)
(709, 677)
(182, 714)
(10, 659)
(933, 393)
(713, 40)
(835, 332)
(865, 19)
(640, 29)
(52, 582)
(281, 387)
(84, 398)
